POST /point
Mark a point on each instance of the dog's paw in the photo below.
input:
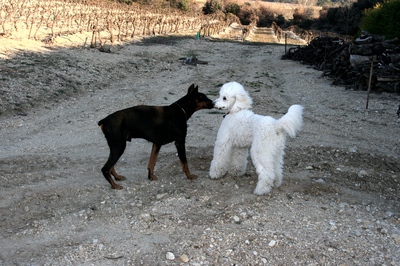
(119, 177)
(152, 177)
(262, 190)
(236, 172)
(116, 186)
(277, 183)
(214, 175)
(191, 177)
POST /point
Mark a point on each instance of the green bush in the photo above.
(212, 6)
(233, 8)
(383, 19)
(184, 5)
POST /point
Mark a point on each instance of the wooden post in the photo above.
(285, 42)
(370, 79)
(323, 72)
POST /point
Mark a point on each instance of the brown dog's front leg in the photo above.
(107, 175)
(182, 157)
(115, 175)
(152, 162)
(185, 168)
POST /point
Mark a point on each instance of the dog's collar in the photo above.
(182, 110)
(226, 114)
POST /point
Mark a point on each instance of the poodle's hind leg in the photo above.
(279, 168)
(265, 180)
(263, 161)
(238, 161)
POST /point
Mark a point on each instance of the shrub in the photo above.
(280, 20)
(233, 8)
(184, 5)
(383, 19)
(265, 17)
(247, 14)
(212, 6)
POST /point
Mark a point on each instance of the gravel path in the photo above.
(339, 203)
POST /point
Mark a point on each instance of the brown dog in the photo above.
(157, 124)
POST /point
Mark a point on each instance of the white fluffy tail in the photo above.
(292, 121)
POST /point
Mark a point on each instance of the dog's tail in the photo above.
(292, 121)
(101, 122)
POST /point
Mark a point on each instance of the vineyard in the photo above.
(106, 21)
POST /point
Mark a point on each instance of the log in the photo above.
(348, 63)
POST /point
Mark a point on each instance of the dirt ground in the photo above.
(340, 199)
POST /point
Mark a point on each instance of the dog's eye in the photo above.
(224, 98)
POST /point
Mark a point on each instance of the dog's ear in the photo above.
(243, 101)
(193, 89)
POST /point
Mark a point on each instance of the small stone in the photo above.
(160, 196)
(309, 167)
(170, 256)
(184, 258)
(389, 214)
(396, 238)
(146, 217)
(353, 149)
(362, 173)
(383, 231)
(272, 243)
(236, 219)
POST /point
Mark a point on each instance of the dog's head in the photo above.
(200, 100)
(233, 97)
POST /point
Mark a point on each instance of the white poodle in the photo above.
(241, 129)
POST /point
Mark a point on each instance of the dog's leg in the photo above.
(263, 161)
(180, 146)
(265, 180)
(238, 161)
(221, 159)
(115, 175)
(279, 168)
(185, 168)
(117, 148)
(152, 162)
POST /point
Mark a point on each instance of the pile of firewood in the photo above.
(368, 61)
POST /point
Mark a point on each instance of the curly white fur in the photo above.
(241, 129)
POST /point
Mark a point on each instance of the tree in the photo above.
(383, 19)
(184, 5)
(212, 6)
(233, 8)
